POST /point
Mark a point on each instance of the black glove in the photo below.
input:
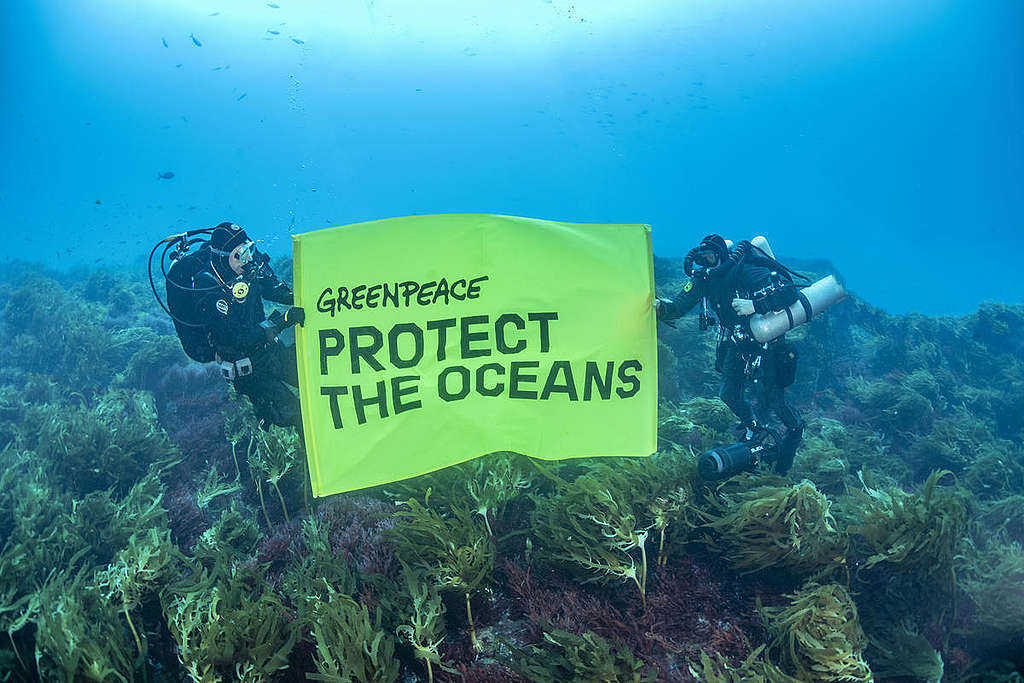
(294, 316)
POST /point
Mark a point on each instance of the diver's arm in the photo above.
(682, 303)
(783, 295)
(272, 288)
(281, 294)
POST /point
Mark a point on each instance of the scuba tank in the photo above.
(811, 300)
(183, 304)
(183, 296)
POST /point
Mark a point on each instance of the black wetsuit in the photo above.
(739, 356)
(236, 334)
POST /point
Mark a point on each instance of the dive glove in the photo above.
(278, 322)
(294, 316)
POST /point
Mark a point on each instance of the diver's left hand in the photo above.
(743, 306)
(295, 316)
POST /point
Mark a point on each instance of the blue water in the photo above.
(885, 136)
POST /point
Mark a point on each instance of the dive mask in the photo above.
(706, 258)
(245, 253)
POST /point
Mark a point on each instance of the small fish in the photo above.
(164, 41)
(177, 66)
(98, 201)
(273, 32)
(166, 175)
(298, 42)
(99, 259)
(273, 5)
(191, 208)
(195, 40)
(226, 67)
(240, 97)
(216, 68)
(213, 15)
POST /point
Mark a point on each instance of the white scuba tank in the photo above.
(820, 296)
(761, 242)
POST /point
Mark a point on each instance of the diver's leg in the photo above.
(788, 415)
(287, 365)
(276, 403)
(733, 379)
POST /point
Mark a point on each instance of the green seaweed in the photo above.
(912, 531)
(136, 570)
(455, 551)
(78, 636)
(754, 669)
(822, 457)
(111, 444)
(788, 527)
(277, 451)
(212, 486)
(270, 451)
(350, 646)
(564, 657)
(494, 481)
(896, 409)
(897, 651)
(590, 523)
(698, 423)
(318, 572)
(817, 636)
(424, 627)
(234, 534)
(228, 629)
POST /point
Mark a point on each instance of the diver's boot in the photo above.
(787, 449)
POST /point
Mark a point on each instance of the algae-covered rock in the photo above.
(109, 444)
(896, 652)
(996, 588)
(822, 458)
(697, 424)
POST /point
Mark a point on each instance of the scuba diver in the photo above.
(215, 298)
(731, 285)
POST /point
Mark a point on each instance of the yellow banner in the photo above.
(431, 340)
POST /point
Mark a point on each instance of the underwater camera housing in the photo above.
(725, 461)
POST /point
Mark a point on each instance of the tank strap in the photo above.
(789, 314)
(805, 303)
